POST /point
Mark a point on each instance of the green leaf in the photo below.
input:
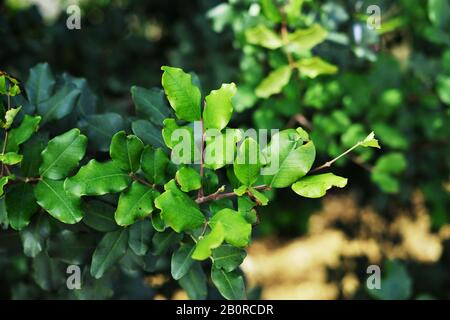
(34, 236)
(219, 107)
(47, 273)
(259, 196)
(11, 158)
(306, 39)
(316, 186)
(134, 204)
(150, 103)
(183, 95)
(178, 211)
(148, 132)
(188, 179)
(262, 36)
(100, 128)
(228, 258)
(221, 149)
(230, 284)
(195, 283)
(3, 183)
(52, 197)
(2, 85)
(140, 238)
(70, 248)
(289, 159)
(439, 13)
(386, 169)
(443, 88)
(99, 216)
(274, 82)
(111, 248)
(211, 241)
(315, 66)
(153, 164)
(97, 178)
(9, 117)
(248, 162)
(240, 191)
(20, 205)
(126, 151)
(181, 261)
(63, 154)
(270, 10)
(22, 133)
(60, 104)
(370, 141)
(237, 229)
(158, 223)
(163, 241)
(40, 83)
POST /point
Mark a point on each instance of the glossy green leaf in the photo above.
(3, 182)
(183, 95)
(153, 164)
(219, 107)
(274, 82)
(63, 206)
(96, 178)
(178, 211)
(230, 284)
(140, 238)
(62, 155)
(126, 151)
(188, 179)
(134, 204)
(11, 158)
(263, 36)
(316, 186)
(20, 205)
(221, 149)
(259, 196)
(289, 159)
(111, 248)
(237, 229)
(248, 162)
(315, 66)
(181, 261)
(228, 258)
(22, 133)
(306, 39)
(40, 83)
(210, 241)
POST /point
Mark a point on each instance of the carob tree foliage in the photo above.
(164, 191)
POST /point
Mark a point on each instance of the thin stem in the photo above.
(144, 182)
(217, 195)
(329, 163)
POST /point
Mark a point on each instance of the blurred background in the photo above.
(394, 80)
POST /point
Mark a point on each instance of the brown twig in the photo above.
(218, 195)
